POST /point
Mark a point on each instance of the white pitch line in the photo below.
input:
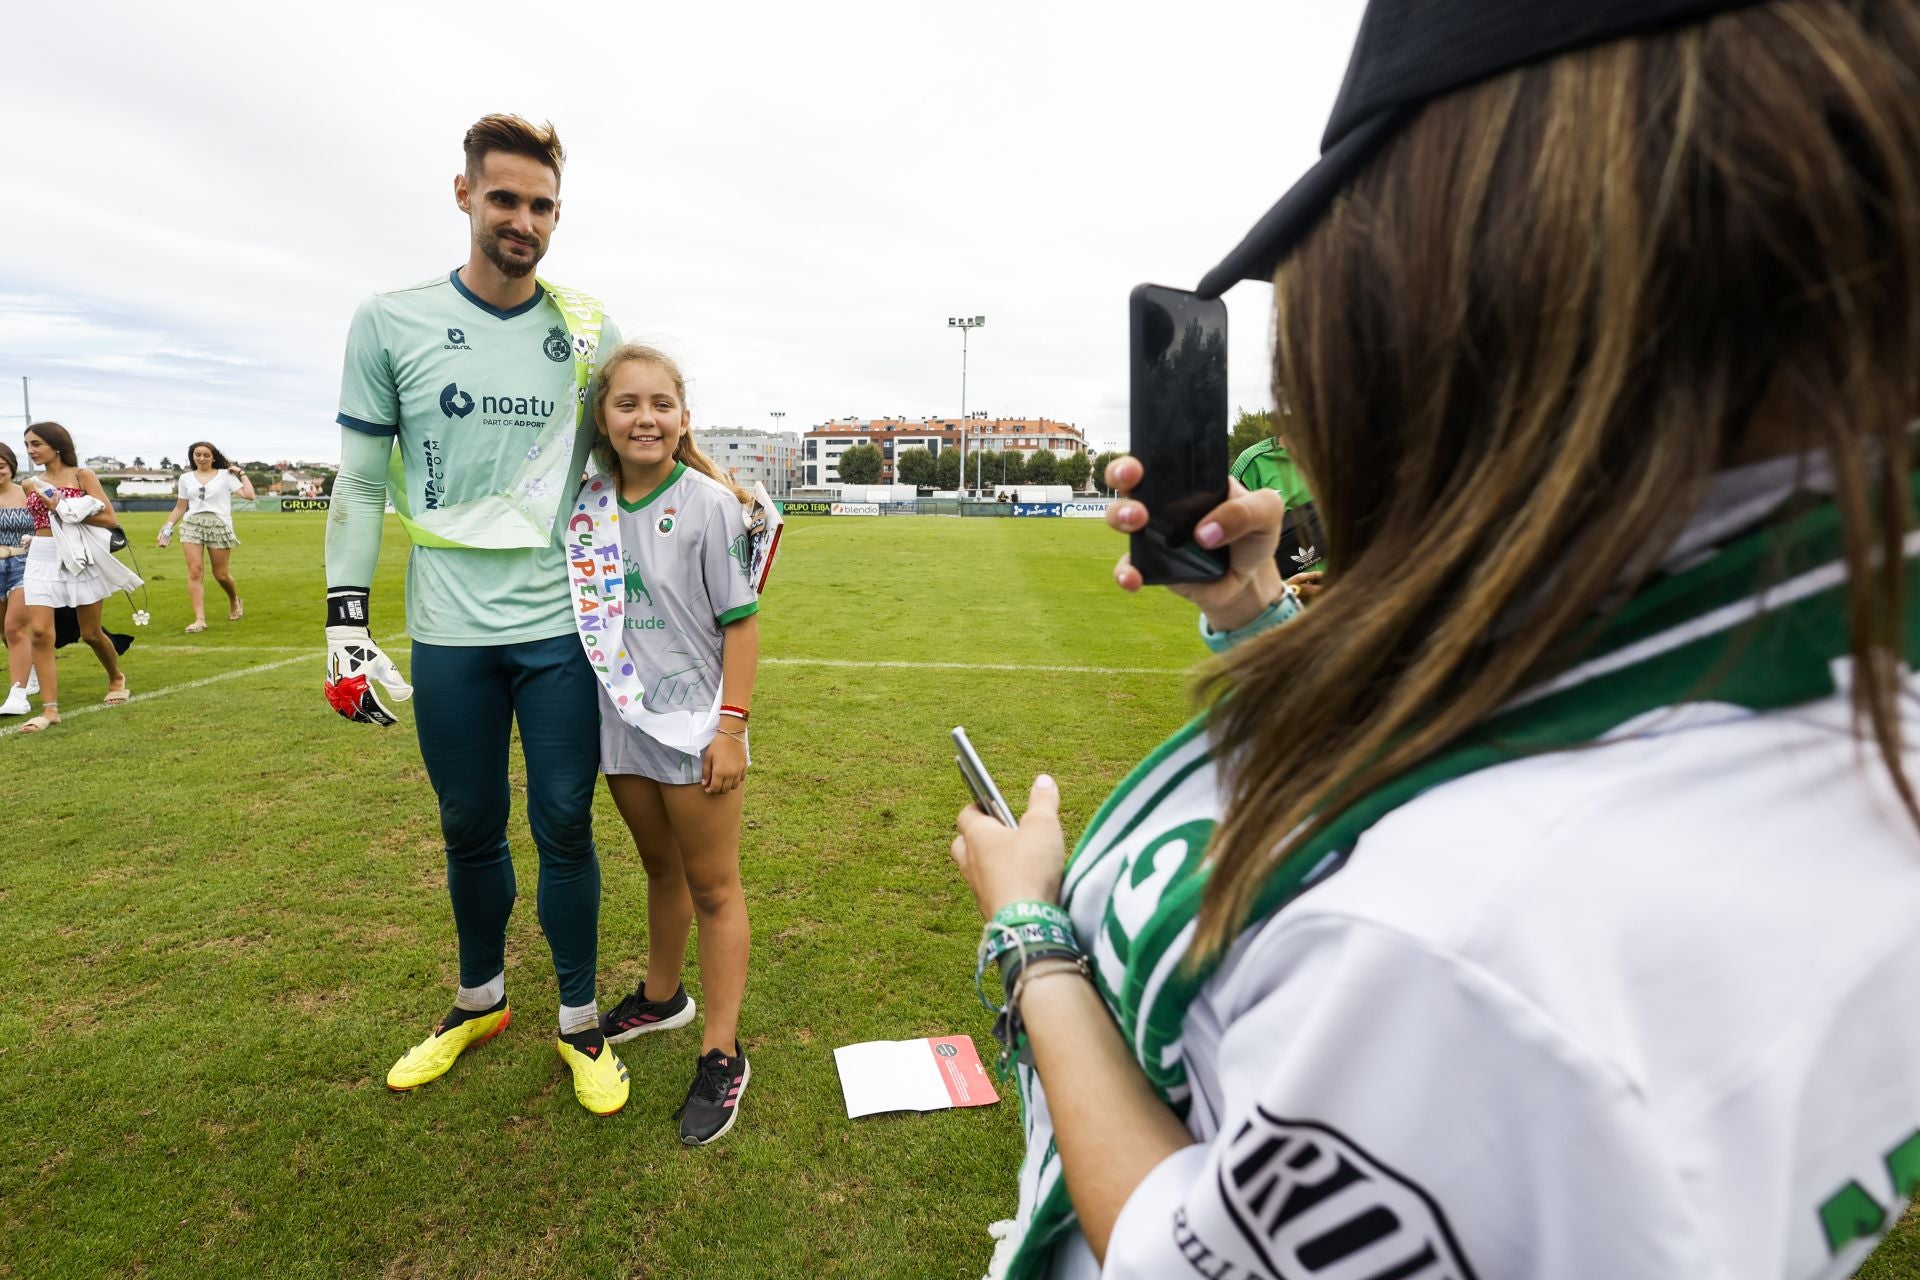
(203, 682)
(316, 654)
(226, 648)
(977, 666)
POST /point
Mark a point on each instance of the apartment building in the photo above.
(770, 457)
(820, 461)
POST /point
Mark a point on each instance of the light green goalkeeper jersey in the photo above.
(464, 389)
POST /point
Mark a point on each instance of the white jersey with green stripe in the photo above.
(1642, 1010)
(686, 563)
(1642, 1007)
(465, 389)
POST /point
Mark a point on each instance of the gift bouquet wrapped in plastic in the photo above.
(763, 536)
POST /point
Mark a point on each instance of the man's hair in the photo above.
(516, 137)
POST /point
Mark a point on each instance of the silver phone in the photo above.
(979, 781)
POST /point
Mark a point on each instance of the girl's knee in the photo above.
(712, 896)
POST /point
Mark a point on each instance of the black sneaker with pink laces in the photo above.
(713, 1103)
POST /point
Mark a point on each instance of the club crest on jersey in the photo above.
(1311, 1205)
(664, 526)
(556, 346)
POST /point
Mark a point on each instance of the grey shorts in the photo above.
(625, 749)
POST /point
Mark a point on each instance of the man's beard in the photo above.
(511, 268)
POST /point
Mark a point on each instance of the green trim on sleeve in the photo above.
(734, 615)
(1248, 457)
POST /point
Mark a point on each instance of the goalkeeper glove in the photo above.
(354, 661)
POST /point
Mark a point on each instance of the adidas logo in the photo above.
(1305, 556)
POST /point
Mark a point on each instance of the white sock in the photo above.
(578, 1017)
(484, 996)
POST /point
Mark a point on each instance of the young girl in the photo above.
(660, 555)
(204, 516)
(51, 583)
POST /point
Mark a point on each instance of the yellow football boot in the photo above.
(599, 1078)
(430, 1059)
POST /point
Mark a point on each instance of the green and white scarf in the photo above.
(523, 513)
(1709, 633)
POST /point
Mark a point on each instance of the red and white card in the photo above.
(931, 1074)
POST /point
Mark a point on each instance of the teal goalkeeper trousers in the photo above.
(465, 703)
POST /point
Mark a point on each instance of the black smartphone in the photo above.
(1178, 428)
(980, 782)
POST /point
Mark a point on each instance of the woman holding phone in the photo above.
(204, 517)
(1540, 902)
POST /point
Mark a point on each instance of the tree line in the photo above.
(989, 468)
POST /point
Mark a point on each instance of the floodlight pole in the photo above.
(26, 400)
(777, 415)
(966, 325)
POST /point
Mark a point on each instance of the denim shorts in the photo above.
(13, 572)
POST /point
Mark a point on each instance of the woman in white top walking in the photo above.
(204, 516)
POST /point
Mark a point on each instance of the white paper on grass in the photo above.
(930, 1074)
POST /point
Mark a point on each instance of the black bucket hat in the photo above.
(1412, 51)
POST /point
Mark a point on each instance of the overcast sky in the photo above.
(791, 198)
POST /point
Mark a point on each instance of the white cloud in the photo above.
(792, 198)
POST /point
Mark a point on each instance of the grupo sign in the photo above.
(806, 508)
(304, 504)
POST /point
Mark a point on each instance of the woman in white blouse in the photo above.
(204, 516)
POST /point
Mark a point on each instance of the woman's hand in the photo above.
(1308, 585)
(1005, 865)
(725, 766)
(1247, 524)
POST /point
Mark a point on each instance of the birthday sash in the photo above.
(1712, 632)
(522, 514)
(598, 596)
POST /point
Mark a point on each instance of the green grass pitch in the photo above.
(223, 915)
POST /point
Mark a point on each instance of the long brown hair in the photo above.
(58, 439)
(1519, 347)
(686, 450)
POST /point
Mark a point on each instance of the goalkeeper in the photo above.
(461, 398)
